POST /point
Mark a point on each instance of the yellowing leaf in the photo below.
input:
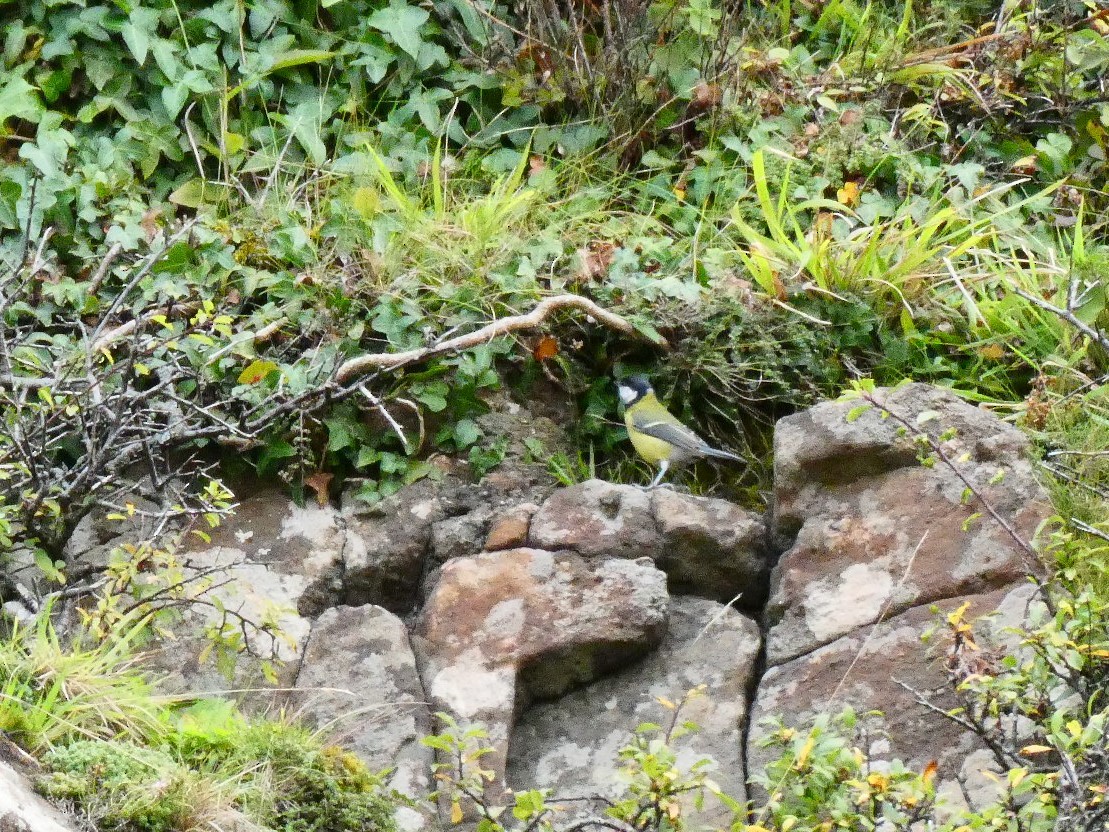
(1029, 750)
(806, 750)
(849, 194)
(992, 352)
(366, 202)
(930, 771)
(456, 812)
(320, 482)
(256, 371)
(666, 703)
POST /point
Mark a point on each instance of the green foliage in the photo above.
(662, 791)
(134, 760)
(822, 780)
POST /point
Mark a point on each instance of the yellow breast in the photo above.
(651, 449)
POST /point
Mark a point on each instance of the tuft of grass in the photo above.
(55, 692)
(130, 759)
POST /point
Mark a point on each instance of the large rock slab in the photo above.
(870, 529)
(358, 681)
(21, 810)
(707, 547)
(270, 530)
(387, 547)
(865, 669)
(571, 745)
(254, 602)
(503, 627)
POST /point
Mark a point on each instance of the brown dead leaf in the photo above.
(595, 259)
(536, 165)
(822, 224)
(546, 348)
(705, 96)
(320, 483)
(850, 116)
(149, 223)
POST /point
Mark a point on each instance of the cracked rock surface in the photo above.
(560, 617)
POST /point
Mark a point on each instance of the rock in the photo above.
(501, 627)
(863, 670)
(571, 744)
(254, 593)
(270, 530)
(21, 810)
(597, 519)
(871, 529)
(509, 529)
(358, 681)
(707, 547)
(457, 537)
(394, 545)
(711, 548)
(387, 545)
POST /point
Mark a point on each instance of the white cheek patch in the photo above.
(627, 395)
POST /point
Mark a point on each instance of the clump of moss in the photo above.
(277, 774)
(123, 786)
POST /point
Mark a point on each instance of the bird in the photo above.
(656, 433)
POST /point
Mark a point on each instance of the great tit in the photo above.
(657, 434)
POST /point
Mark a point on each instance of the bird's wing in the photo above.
(673, 432)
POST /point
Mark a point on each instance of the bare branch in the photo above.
(355, 367)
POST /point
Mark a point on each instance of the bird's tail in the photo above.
(718, 454)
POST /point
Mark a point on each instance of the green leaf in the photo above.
(197, 192)
(466, 433)
(273, 453)
(299, 57)
(18, 99)
(174, 98)
(402, 23)
(339, 435)
(857, 411)
(137, 40)
(140, 28)
(48, 567)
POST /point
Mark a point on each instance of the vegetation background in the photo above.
(218, 221)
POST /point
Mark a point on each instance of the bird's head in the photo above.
(632, 389)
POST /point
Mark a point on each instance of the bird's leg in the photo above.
(662, 466)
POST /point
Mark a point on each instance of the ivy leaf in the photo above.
(137, 30)
(18, 99)
(466, 433)
(402, 23)
(339, 435)
(173, 99)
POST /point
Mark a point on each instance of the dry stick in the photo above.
(391, 361)
(102, 269)
(1067, 316)
(148, 263)
(1001, 757)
